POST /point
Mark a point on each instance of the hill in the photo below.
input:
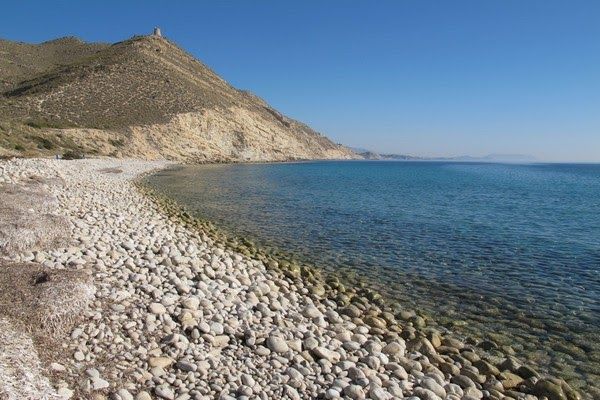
(143, 97)
(499, 158)
(21, 61)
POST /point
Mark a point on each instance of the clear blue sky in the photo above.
(415, 77)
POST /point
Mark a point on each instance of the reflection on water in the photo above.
(484, 248)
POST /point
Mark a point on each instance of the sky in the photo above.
(419, 77)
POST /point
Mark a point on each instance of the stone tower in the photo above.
(156, 31)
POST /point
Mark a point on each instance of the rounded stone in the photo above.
(277, 344)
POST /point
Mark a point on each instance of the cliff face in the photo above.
(144, 97)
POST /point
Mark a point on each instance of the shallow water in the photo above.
(510, 252)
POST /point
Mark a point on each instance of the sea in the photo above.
(505, 252)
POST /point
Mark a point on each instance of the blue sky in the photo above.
(415, 77)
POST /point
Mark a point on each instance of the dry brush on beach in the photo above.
(106, 292)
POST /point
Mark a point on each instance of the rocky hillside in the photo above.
(143, 97)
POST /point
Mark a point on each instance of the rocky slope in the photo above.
(143, 97)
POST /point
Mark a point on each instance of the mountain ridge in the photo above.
(137, 98)
(493, 157)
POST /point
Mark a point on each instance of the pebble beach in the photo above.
(179, 313)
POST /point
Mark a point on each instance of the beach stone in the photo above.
(510, 364)
(378, 393)
(311, 311)
(124, 394)
(186, 366)
(527, 372)
(262, 351)
(191, 303)
(248, 380)
(486, 368)
(92, 373)
(572, 394)
(355, 374)
(143, 395)
(221, 341)
(510, 380)
(472, 392)
(430, 384)
(351, 311)
(400, 373)
(488, 345)
(462, 381)
(204, 327)
(217, 328)
(549, 389)
(355, 392)
(162, 362)
(323, 353)
(99, 383)
(164, 392)
(449, 368)
(394, 348)
(425, 394)
(375, 322)
(452, 388)
(453, 342)
(317, 290)
(277, 344)
(473, 373)
(422, 345)
(291, 393)
(157, 308)
(57, 367)
(187, 320)
(157, 372)
(310, 343)
(417, 321)
(64, 393)
(435, 339)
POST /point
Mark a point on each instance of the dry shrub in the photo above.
(36, 305)
(45, 301)
(20, 369)
(29, 195)
(62, 304)
(27, 221)
(29, 231)
(111, 170)
(42, 180)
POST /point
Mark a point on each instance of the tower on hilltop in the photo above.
(156, 32)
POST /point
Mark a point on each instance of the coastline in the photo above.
(204, 306)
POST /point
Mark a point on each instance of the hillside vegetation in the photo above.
(143, 97)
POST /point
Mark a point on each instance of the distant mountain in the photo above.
(511, 157)
(371, 155)
(400, 157)
(359, 150)
(143, 97)
(493, 158)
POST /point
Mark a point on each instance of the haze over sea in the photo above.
(504, 251)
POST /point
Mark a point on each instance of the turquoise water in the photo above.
(510, 252)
